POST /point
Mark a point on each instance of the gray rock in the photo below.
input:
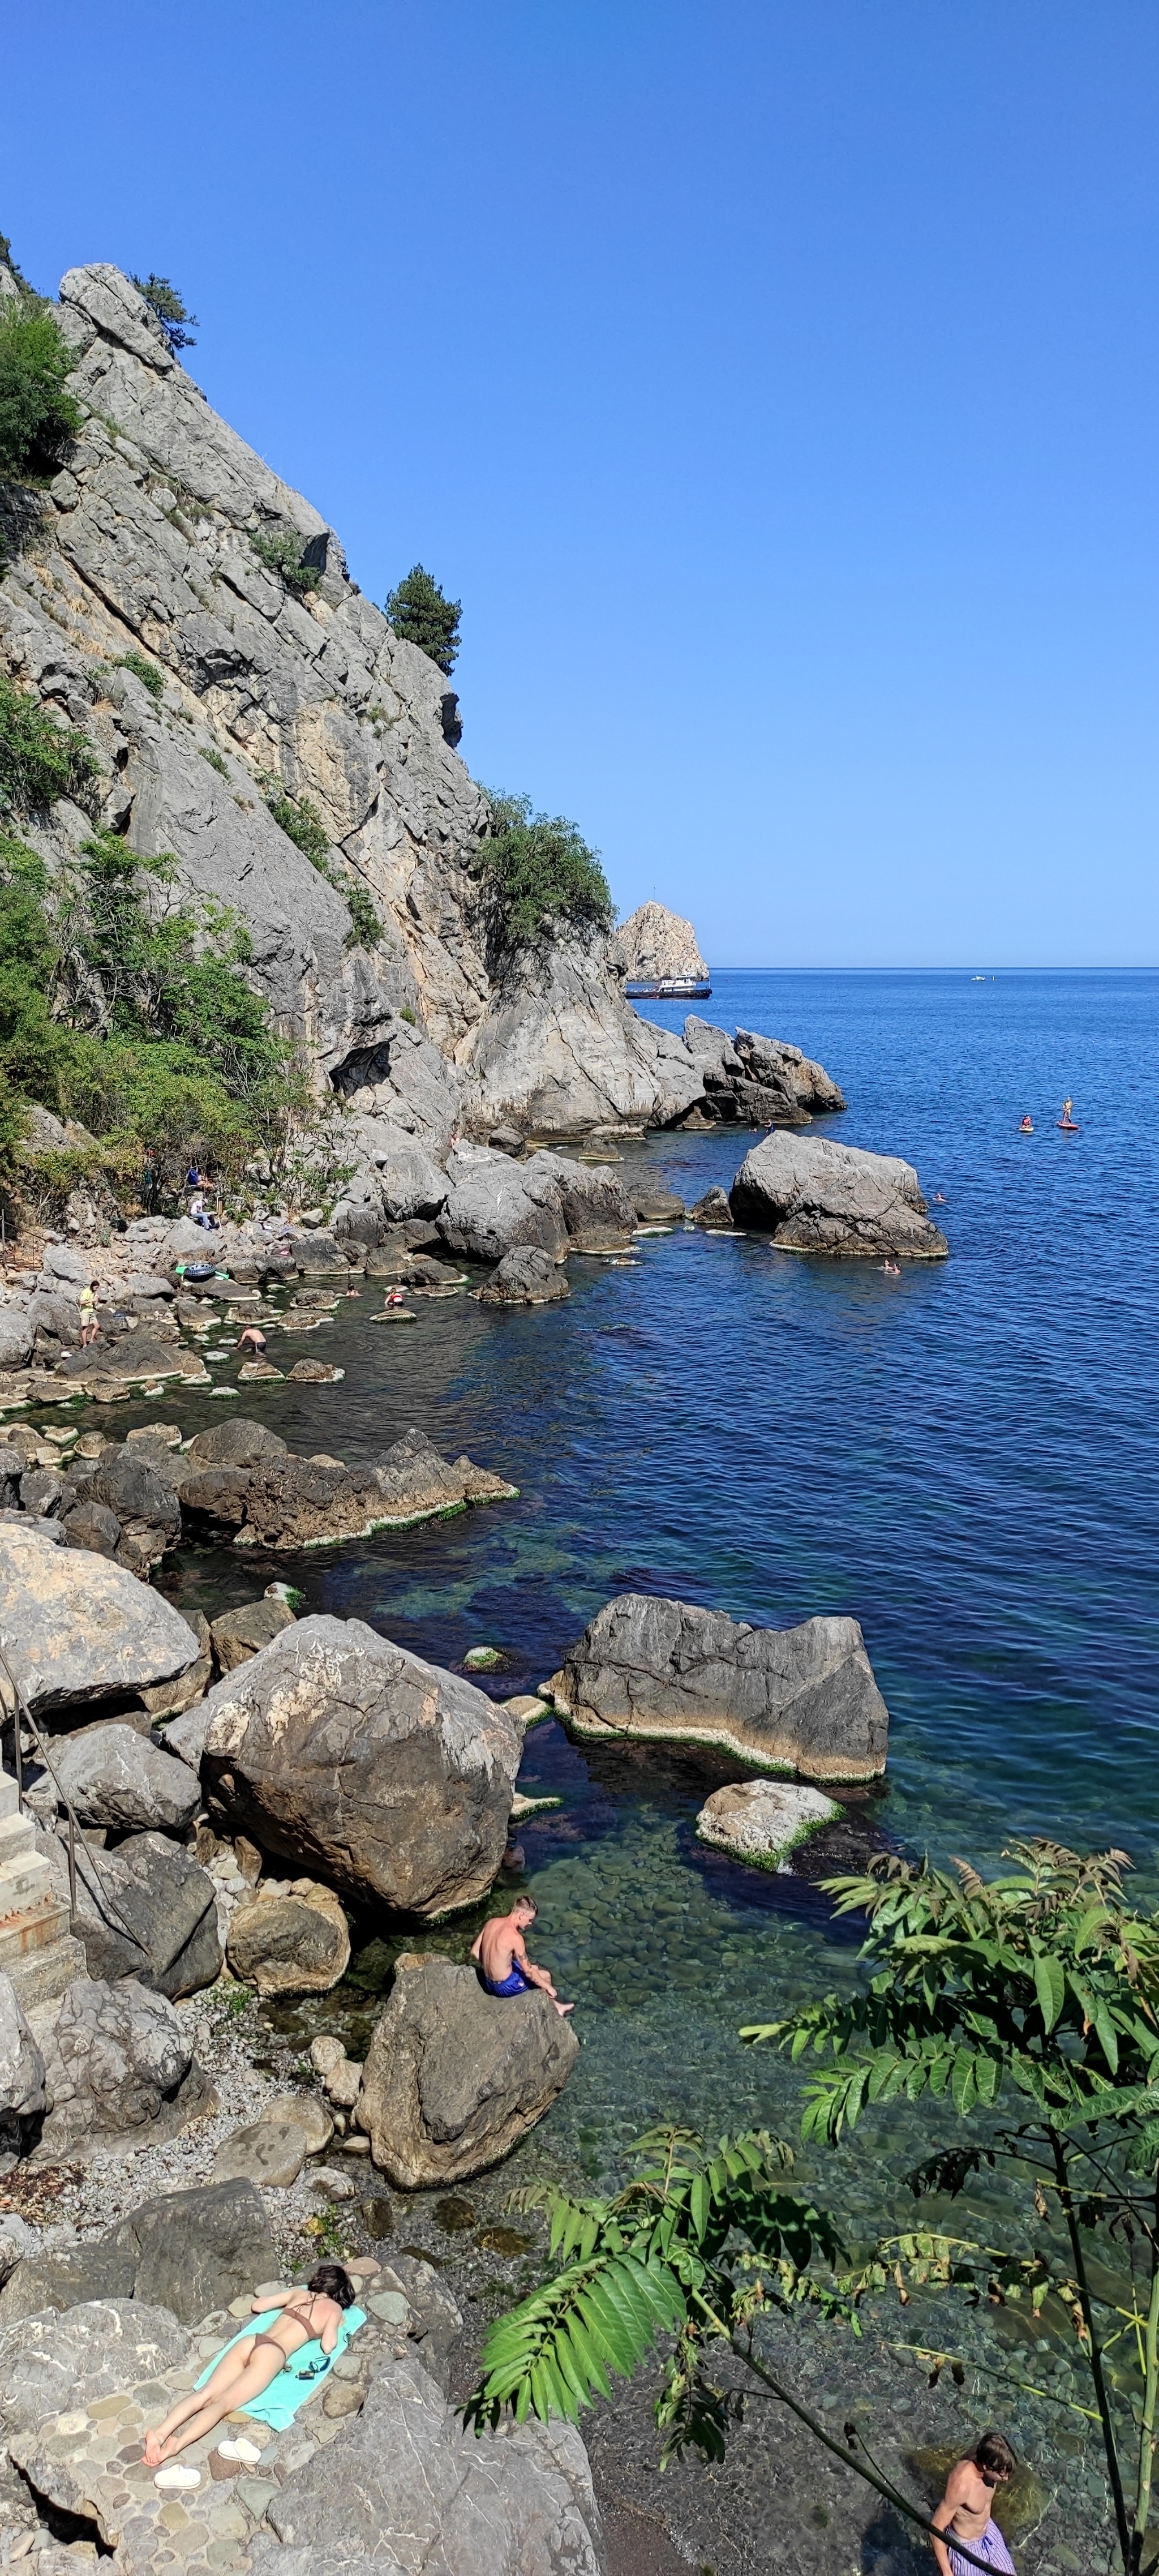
(144, 1502)
(436, 2317)
(45, 1490)
(51, 2361)
(494, 1205)
(761, 1821)
(793, 1699)
(409, 2487)
(410, 1183)
(657, 944)
(240, 1633)
(297, 1943)
(186, 2252)
(766, 1059)
(269, 2152)
(307, 2112)
(236, 1442)
(18, 2242)
(287, 1502)
(147, 1910)
(454, 2077)
(525, 1278)
(331, 1730)
(657, 1206)
(116, 2056)
(713, 1212)
(117, 1779)
(21, 2066)
(78, 1629)
(593, 1202)
(560, 1051)
(185, 1735)
(94, 1526)
(813, 1195)
(16, 1336)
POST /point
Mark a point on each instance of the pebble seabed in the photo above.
(670, 1948)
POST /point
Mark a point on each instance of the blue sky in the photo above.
(775, 384)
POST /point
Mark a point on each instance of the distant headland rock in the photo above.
(658, 946)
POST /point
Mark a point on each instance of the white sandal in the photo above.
(240, 2450)
(177, 2476)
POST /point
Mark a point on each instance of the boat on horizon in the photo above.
(668, 988)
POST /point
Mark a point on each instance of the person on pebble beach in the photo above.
(253, 2359)
(501, 1954)
(964, 2512)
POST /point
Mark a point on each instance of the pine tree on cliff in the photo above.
(421, 613)
(170, 310)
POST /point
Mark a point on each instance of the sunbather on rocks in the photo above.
(252, 2361)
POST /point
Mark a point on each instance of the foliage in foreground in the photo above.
(691, 2254)
(422, 614)
(1043, 1985)
(537, 869)
(170, 309)
(38, 415)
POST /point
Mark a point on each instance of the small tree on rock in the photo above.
(421, 613)
(170, 310)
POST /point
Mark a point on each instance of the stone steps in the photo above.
(37, 1950)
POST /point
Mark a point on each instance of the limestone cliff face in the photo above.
(656, 943)
(144, 545)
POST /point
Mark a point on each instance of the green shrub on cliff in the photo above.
(38, 416)
(122, 1007)
(422, 614)
(39, 761)
(281, 553)
(538, 868)
(303, 824)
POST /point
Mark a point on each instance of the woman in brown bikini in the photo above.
(247, 2367)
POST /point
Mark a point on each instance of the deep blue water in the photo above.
(965, 1458)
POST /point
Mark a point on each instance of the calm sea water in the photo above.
(965, 1458)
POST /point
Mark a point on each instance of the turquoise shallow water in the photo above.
(966, 1459)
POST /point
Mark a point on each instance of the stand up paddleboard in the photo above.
(1069, 1126)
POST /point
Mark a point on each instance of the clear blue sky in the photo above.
(775, 384)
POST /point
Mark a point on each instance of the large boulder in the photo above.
(411, 1184)
(454, 2077)
(773, 1060)
(528, 1277)
(118, 1779)
(79, 1629)
(22, 2092)
(119, 2071)
(147, 1910)
(389, 1777)
(813, 1195)
(409, 2485)
(296, 1942)
(16, 1334)
(188, 2252)
(790, 1699)
(240, 1633)
(561, 1052)
(659, 946)
(493, 1205)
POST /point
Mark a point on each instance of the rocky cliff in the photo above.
(656, 944)
(144, 545)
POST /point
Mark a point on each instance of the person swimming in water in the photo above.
(501, 1954)
(964, 2512)
(248, 2365)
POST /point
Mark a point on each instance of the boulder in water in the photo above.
(762, 1821)
(528, 1277)
(814, 1195)
(794, 1699)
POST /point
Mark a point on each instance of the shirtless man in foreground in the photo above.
(964, 2512)
(502, 1955)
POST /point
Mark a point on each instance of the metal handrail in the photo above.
(21, 1711)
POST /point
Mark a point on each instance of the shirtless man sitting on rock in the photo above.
(502, 1956)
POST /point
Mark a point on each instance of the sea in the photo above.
(965, 1459)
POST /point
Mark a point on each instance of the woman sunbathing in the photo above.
(249, 2364)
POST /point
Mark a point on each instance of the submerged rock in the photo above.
(799, 1699)
(760, 1821)
(813, 1195)
(389, 1777)
(454, 2077)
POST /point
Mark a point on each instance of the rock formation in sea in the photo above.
(657, 945)
(814, 1195)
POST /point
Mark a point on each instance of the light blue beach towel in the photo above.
(304, 2372)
